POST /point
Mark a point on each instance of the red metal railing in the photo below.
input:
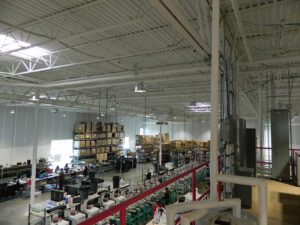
(122, 206)
(292, 150)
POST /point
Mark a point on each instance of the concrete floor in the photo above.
(15, 211)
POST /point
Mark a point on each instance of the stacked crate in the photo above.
(100, 141)
(144, 147)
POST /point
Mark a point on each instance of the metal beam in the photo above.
(171, 13)
(113, 77)
(241, 28)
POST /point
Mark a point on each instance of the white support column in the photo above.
(260, 118)
(160, 143)
(214, 98)
(34, 153)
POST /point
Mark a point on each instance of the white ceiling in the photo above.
(97, 44)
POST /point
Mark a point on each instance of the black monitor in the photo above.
(84, 191)
(72, 190)
(57, 195)
(77, 200)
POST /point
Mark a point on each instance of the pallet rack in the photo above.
(101, 141)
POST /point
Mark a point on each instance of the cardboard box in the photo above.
(93, 151)
(88, 136)
(88, 126)
(87, 143)
(94, 126)
(108, 128)
(94, 136)
(101, 157)
(109, 135)
(93, 143)
(109, 141)
(79, 127)
(79, 144)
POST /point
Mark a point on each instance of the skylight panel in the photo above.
(9, 44)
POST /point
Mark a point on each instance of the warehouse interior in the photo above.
(149, 112)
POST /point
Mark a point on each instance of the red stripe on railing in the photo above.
(137, 198)
(262, 162)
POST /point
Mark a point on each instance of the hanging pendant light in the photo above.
(140, 87)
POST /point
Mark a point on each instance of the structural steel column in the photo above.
(214, 97)
(34, 153)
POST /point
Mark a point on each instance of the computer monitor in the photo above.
(77, 200)
(57, 195)
(84, 191)
(72, 190)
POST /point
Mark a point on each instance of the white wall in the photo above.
(16, 130)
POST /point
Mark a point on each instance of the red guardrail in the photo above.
(123, 205)
(293, 150)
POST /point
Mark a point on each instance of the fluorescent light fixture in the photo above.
(98, 118)
(139, 87)
(33, 98)
(12, 111)
(10, 44)
(64, 115)
(102, 114)
(54, 110)
(174, 117)
(199, 107)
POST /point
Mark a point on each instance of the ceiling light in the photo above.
(64, 115)
(102, 114)
(174, 117)
(12, 111)
(33, 98)
(10, 44)
(199, 107)
(98, 118)
(140, 87)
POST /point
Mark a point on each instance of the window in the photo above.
(126, 143)
(61, 152)
(141, 131)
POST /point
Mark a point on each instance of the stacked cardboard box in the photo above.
(101, 157)
(181, 146)
(91, 138)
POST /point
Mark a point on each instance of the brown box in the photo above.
(88, 126)
(79, 144)
(109, 135)
(93, 143)
(93, 151)
(207, 144)
(94, 126)
(79, 128)
(87, 143)
(94, 135)
(108, 128)
(87, 152)
(88, 136)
